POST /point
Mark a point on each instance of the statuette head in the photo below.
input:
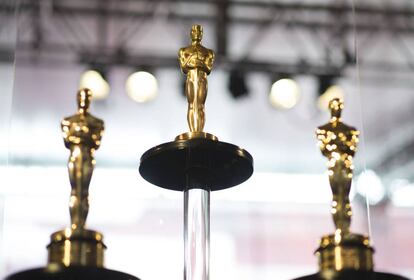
(196, 33)
(84, 98)
(335, 106)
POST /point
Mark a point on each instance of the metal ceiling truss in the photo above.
(330, 24)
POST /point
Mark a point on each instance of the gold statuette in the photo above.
(196, 62)
(82, 133)
(342, 250)
(338, 142)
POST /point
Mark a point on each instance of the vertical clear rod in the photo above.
(196, 234)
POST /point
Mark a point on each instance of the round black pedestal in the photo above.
(196, 163)
(71, 273)
(354, 275)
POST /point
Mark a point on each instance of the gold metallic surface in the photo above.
(350, 251)
(82, 133)
(192, 135)
(338, 142)
(196, 62)
(76, 247)
(343, 249)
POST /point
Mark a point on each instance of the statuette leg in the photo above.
(80, 167)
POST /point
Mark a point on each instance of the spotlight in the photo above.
(284, 94)
(327, 91)
(237, 84)
(95, 81)
(402, 193)
(141, 86)
(369, 185)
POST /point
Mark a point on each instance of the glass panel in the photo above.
(8, 36)
(267, 228)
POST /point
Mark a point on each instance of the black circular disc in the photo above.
(354, 275)
(196, 163)
(72, 273)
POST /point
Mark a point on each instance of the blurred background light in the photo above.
(402, 193)
(142, 86)
(328, 90)
(95, 81)
(331, 93)
(284, 94)
(370, 186)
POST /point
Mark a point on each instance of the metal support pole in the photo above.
(196, 234)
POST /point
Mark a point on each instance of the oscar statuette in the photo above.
(196, 163)
(77, 253)
(343, 255)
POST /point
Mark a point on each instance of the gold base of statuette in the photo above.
(79, 247)
(194, 135)
(339, 252)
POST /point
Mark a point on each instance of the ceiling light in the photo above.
(331, 93)
(237, 84)
(402, 193)
(142, 86)
(284, 94)
(95, 81)
(327, 91)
